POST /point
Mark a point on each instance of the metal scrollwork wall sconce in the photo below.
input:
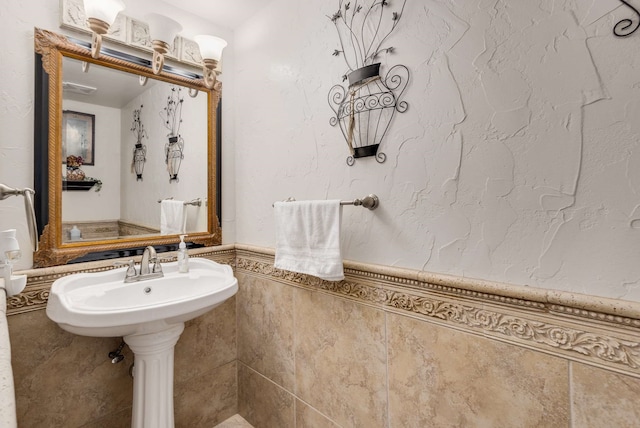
(364, 110)
(140, 150)
(626, 27)
(172, 119)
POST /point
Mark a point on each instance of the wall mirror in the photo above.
(99, 203)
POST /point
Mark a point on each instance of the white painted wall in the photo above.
(140, 198)
(518, 159)
(105, 204)
(17, 97)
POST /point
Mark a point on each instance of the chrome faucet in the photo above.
(145, 272)
(149, 255)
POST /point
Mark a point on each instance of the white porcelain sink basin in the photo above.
(102, 305)
(149, 315)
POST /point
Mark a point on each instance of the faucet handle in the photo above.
(157, 267)
(131, 271)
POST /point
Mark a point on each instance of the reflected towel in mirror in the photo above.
(308, 238)
(173, 217)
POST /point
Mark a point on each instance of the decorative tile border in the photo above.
(601, 339)
(595, 331)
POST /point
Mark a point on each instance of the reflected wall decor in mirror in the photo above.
(110, 210)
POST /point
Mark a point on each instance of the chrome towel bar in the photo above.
(371, 202)
(195, 202)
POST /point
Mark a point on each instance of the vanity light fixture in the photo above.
(162, 31)
(100, 16)
(211, 51)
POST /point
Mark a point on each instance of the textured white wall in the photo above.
(518, 159)
(16, 107)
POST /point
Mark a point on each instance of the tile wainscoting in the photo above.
(386, 347)
(63, 380)
(391, 347)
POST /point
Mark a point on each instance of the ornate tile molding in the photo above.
(595, 331)
(578, 333)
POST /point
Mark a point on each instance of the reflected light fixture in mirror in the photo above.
(211, 51)
(162, 31)
(100, 15)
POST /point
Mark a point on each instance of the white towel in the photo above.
(173, 217)
(308, 238)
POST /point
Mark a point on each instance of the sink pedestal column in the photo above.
(153, 377)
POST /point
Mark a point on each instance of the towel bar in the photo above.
(196, 202)
(371, 202)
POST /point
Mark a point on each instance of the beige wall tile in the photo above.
(208, 341)
(265, 328)
(66, 380)
(308, 417)
(444, 378)
(235, 421)
(604, 399)
(341, 359)
(207, 399)
(121, 419)
(331, 352)
(62, 379)
(263, 403)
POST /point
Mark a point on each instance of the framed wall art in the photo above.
(78, 136)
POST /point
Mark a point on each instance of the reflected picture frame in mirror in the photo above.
(50, 50)
(78, 136)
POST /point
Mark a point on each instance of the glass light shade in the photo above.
(210, 46)
(162, 28)
(104, 10)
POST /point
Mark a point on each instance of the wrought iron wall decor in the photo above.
(364, 110)
(626, 27)
(140, 150)
(172, 117)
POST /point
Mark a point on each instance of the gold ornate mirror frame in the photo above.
(52, 48)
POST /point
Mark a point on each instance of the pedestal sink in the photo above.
(149, 315)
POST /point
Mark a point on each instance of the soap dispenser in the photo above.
(9, 254)
(75, 233)
(183, 256)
